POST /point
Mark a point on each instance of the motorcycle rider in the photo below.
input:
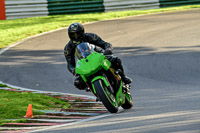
(77, 35)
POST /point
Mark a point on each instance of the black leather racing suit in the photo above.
(69, 52)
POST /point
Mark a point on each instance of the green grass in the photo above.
(1, 85)
(13, 105)
(12, 31)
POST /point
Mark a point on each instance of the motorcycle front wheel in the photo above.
(128, 101)
(107, 98)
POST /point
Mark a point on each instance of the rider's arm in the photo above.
(69, 55)
(96, 40)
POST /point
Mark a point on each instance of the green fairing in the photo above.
(102, 78)
(120, 97)
(91, 64)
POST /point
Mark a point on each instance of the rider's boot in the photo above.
(125, 79)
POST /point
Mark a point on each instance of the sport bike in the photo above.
(101, 78)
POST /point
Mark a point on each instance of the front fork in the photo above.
(120, 96)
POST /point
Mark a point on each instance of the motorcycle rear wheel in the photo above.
(107, 98)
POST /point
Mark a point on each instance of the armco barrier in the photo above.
(74, 6)
(32, 8)
(168, 3)
(12, 9)
(25, 8)
(116, 5)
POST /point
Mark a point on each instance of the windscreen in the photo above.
(83, 50)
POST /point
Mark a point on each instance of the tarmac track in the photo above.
(161, 52)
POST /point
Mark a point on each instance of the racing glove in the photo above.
(108, 52)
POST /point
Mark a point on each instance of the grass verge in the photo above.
(14, 30)
(13, 105)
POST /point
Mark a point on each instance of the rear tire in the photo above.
(107, 98)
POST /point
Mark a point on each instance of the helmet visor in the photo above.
(74, 36)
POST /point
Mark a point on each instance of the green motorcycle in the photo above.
(101, 78)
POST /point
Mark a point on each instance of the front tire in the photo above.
(128, 101)
(107, 98)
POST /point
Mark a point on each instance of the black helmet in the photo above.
(75, 32)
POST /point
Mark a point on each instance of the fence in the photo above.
(74, 6)
(12, 9)
(25, 8)
(115, 5)
(168, 3)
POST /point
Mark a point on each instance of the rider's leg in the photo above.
(79, 83)
(117, 63)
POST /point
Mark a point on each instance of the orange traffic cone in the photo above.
(29, 113)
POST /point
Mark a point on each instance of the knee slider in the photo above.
(76, 82)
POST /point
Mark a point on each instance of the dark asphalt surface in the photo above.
(161, 52)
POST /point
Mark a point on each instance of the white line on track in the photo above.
(68, 124)
(77, 122)
(26, 89)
